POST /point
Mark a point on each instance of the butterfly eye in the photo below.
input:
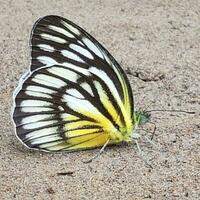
(75, 95)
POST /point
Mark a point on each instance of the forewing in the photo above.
(56, 40)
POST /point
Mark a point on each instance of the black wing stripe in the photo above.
(19, 113)
(62, 133)
(47, 23)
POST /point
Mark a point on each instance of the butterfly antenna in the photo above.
(98, 154)
(142, 155)
(180, 111)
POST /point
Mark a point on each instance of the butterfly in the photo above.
(75, 95)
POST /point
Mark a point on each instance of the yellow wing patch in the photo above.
(88, 141)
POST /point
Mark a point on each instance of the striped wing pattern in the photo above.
(75, 96)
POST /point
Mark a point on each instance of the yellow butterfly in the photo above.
(75, 95)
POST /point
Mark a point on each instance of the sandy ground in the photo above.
(158, 44)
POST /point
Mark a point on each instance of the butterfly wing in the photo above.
(76, 96)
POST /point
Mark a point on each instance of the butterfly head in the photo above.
(141, 117)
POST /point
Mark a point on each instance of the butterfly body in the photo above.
(75, 96)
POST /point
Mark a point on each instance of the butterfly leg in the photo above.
(98, 154)
(142, 155)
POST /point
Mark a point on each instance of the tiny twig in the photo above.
(154, 130)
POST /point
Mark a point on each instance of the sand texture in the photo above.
(157, 43)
